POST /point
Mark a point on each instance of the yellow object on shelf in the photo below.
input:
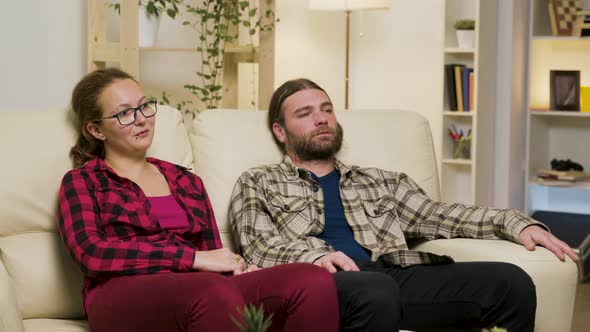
(585, 98)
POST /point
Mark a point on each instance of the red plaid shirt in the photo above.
(106, 224)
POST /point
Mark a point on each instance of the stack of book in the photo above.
(459, 80)
(561, 178)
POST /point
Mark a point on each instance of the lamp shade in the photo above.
(348, 4)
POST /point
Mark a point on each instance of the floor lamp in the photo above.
(347, 6)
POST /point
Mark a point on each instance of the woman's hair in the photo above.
(85, 108)
(275, 109)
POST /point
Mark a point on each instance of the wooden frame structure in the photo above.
(128, 53)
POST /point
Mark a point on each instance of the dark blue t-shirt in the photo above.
(337, 232)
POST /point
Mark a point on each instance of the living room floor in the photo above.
(582, 308)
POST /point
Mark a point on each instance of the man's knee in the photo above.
(371, 290)
(519, 284)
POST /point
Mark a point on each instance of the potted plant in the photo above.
(252, 319)
(149, 17)
(465, 33)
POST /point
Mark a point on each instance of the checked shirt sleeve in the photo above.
(422, 217)
(257, 235)
(79, 227)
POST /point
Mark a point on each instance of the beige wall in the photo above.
(43, 52)
(397, 63)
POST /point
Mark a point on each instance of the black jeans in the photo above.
(436, 297)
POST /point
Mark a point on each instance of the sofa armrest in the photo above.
(10, 317)
(555, 281)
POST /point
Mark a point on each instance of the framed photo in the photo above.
(564, 94)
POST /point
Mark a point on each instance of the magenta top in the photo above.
(168, 212)
(170, 215)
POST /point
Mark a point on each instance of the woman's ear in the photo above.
(279, 132)
(95, 131)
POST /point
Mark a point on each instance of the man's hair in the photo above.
(275, 109)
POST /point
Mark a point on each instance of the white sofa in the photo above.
(40, 288)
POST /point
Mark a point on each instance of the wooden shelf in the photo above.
(573, 185)
(127, 52)
(560, 114)
(242, 49)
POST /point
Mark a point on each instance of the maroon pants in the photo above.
(301, 297)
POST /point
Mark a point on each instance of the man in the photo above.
(354, 222)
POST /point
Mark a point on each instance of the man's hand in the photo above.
(335, 260)
(532, 235)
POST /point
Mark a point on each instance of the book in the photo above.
(471, 82)
(465, 87)
(459, 88)
(450, 85)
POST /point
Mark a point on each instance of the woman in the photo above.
(143, 232)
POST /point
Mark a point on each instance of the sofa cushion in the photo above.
(56, 325)
(46, 281)
(228, 142)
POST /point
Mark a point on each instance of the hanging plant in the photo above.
(154, 7)
(217, 24)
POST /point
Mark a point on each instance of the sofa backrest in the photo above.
(228, 142)
(34, 148)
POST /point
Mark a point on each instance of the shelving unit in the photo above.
(470, 180)
(127, 53)
(554, 134)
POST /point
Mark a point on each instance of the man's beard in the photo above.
(309, 147)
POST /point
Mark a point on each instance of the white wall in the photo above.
(43, 52)
(511, 94)
(396, 64)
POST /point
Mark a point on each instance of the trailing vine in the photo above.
(217, 25)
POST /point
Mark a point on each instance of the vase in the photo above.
(148, 28)
(465, 38)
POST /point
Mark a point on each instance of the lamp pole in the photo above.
(346, 60)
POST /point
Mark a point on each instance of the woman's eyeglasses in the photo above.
(129, 115)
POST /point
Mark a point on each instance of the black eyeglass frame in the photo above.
(153, 102)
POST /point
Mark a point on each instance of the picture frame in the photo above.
(564, 90)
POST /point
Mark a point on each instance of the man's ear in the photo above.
(279, 132)
(95, 131)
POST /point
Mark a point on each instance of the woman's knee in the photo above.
(307, 276)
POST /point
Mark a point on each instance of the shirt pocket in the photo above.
(289, 213)
(120, 215)
(383, 218)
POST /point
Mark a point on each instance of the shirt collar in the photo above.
(99, 165)
(293, 172)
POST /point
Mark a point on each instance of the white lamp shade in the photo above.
(348, 4)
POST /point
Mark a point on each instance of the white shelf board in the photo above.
(457, 113)
(459, 50)
(451, 161)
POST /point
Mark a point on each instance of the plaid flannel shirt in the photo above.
(106, 224)
(277, 212)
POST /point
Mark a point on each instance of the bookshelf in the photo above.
(470, 180)
(554, 134)
(127, 52)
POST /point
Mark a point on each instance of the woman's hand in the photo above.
(221, 260)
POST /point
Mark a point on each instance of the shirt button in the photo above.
(286, 207)
(315, 189)
(376, 211)
(319, 211)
